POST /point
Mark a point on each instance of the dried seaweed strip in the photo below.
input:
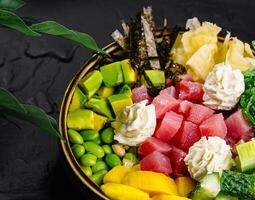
(119, 38)
(148, 26)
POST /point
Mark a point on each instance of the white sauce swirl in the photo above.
(207, 156)
(135, 124)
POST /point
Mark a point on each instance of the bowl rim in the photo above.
(65, 145)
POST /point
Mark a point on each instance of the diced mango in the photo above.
(151, 182)
(116, 174)
(185, 185)
(99, 122)
(168, 197)
(136, 167)
(123, 192)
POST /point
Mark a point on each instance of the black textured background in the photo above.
(37, 70)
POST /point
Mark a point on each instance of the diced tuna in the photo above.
(187, 136)
(169, 126)
(199, 113)
(192, 91)
(214, 126)
(164, 103)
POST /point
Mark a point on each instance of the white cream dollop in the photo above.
(223, 87)
(135, 124)
(207, 156)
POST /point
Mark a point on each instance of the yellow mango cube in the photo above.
(116, 174)
(185, 185)
(168, 197)
(123, 192)
(151, 182)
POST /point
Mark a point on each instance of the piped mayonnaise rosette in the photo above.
(207, 156)
(135, 124)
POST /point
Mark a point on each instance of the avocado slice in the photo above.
(99, 122)
(112, 74)
(91, 83)
(79, 98)
(105, 92)
(144, 82)
(80, 119)
(99, 106)
(125, 89)
(157, 77)
(128, 72)
(119, 102)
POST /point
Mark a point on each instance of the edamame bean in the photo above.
(88, 160)
(74, 136)
(87, 171)
(97, 141)
(118, 150)
(132, 150)
(112, 160)
(107, 149)
(88, 135)
(107, 135)
(94, 149)
(97, 178)
(78, 150)
(132, 157)
(100, 165)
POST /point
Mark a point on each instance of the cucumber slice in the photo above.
(208, 188)
(225, 197)
(246, 153)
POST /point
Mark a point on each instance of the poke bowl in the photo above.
(168, 114)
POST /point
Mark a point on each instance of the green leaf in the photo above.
(253, 44)
(10, 105)
(11, 4)
(54, 28)
(8, 101)
(12, 21)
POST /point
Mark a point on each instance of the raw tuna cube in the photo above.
(186, 77)
(171, 91)
(169, 82)
(214, 126)
(187, 136)
(191, 91)
(177, 161)
(164, 103)
(199, 113)
(140, 94)
(156, 162)
(238, 127)
(169, 126)
(184, 108)
(152, 144)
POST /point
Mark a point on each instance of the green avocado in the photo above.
(105, 92)
(99, 122)
(91, 83)
(125, 89)
(79, 98)
(112, 74)
(119, 102)
(128, 72)
(80, 119)
(99, 106)
(156, 77)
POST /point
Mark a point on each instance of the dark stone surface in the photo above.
(37, 70)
